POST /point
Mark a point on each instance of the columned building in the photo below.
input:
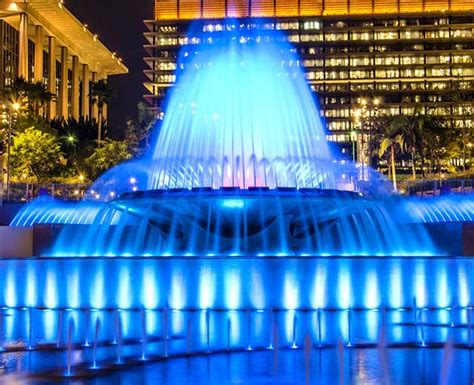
(43, 42)
(384, 57)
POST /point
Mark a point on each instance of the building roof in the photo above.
(58, 21)
(212, 9)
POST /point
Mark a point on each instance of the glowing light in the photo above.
(290, 291)
(232, 289)
(207, 288)
(51, 291)
(371, 291)
(178, 293)
(243, 77)
(233, 203)
(124, 284)
(318, 290)
(10, 289)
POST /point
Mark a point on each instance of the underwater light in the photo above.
(233, 203)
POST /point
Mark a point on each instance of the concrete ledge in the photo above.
(468, 239)
(456, 239)
(16, 242)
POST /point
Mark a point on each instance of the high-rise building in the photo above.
(387, 57)
(43, 42)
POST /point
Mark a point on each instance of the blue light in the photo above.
(233, 203)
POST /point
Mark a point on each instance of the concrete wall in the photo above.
(468, 239)
(16, 242)
(456, 239)
(8, 212)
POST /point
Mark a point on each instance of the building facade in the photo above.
(43, 42)
(381, 57)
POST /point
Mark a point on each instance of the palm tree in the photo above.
(39, 96)
(33, 96)
(434, 136)
(101, 94)
(17, 92)
(392, 140)
(139, 129)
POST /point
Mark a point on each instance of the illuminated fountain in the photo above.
(241, 167)
(235, 234)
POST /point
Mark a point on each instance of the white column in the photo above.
(86, 78)
(23, 47)
(63, 87)
(95, 108)
(105, 109)
(52, 110)
(75, 88)
(39, 54)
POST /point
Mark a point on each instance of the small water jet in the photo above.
(119, 340)
(69, 348)
(271, 329)
(95, 345)
(349, 328)
(249, 330)
(165, 331)
(30, 328)
(318, 315)
(229, 330)
(59, 328)
(87, 327)
(144, 333)
(295, 324)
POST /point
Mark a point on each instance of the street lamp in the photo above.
(366, 110)
(353, 139)
(9, 115)
(469, 145)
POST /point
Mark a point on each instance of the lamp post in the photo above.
(366, 110)
(10, 112)
(353, 140)
(469, 146)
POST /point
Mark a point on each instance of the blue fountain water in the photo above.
(237, 207)
(241, 115)
(241, 167)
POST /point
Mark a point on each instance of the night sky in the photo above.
(119, 24)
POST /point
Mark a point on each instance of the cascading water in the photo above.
(241, 170)
(241, 115)
(241, 167)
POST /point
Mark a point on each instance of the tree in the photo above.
(35, 154)
(392, 140)
(101, 94)
(39, 97)
(108, 155)
(463, 106)
(139, 129)
(435, 135)
(17, 91)
(32, 97)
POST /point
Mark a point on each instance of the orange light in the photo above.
(212, 9)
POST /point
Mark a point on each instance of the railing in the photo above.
(26, 192)
(438, 187)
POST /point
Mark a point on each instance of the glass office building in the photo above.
(394, 55)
